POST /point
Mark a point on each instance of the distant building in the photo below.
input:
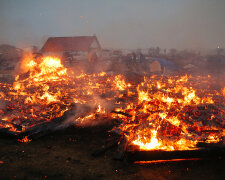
(162, 65)
(72, 48)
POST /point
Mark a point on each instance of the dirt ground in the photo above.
(67, 154)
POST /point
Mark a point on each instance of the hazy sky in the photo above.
(117, 23)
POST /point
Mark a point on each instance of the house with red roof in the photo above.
(72, 49)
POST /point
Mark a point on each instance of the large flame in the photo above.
(46, 89)
(169, 113)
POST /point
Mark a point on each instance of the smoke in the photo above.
(90, 114)
(128, 24)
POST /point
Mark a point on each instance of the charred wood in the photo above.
(5, 132)
(45, 128)
(204, 153)
(122, 113)
(18, 127)
(109, 144)
(211, 145)
(122, 147)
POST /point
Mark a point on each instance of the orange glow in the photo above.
(44, 89)
(166, 115)
(24, 140)
(162, 112)
(164, 161)
(223, 92)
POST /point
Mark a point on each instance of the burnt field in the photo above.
(67, 154)
(59, 125)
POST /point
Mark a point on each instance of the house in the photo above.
(72, 49)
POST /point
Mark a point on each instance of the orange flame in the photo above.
(167, 116)
(223, 92)
(46, 89)
(24, 140)
(158, 113)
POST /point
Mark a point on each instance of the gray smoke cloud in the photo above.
(127, 24)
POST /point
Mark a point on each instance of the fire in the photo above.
(24, 140)
(44, 89)
(100, 109)
(153, 144)
(168, 115)
(120, 83)
(223, 91)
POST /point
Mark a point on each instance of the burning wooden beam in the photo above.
(122, 113)
(211, 145)
(156, 155)
(41, 129)
(48, 127)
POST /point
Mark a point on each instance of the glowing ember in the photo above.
(45, 90)
(164, 161)
(168, 113)
(24, 140)
(171, 115)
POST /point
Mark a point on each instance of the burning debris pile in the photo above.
(46, 90)
(160, 113)
(173, 113)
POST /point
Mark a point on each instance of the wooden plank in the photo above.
(122, 113)
(41, 129)
(211, 145)
(153, 155)
(56, 123)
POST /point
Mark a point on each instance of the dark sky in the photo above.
(117, 23)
